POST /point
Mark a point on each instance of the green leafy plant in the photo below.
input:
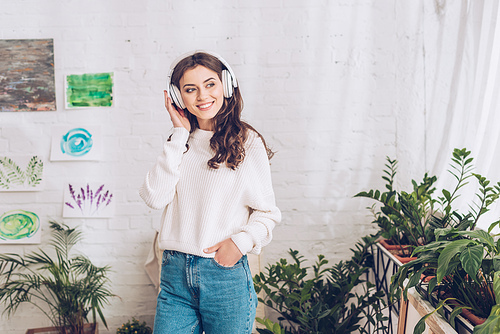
(402, 217)
(67, 289)
(134, 327)
(462, 263)
(324, 300)
(411, 218)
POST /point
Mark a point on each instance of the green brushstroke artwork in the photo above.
(89, 90)
(13, 176)
(18, 224)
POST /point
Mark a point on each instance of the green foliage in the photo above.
(412, 219)
(464, 262)
(404, 218)
(134, 327)
(66, 289)
(324, 299)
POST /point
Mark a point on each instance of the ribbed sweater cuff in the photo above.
(243, 241)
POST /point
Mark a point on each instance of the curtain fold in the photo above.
(468, 89)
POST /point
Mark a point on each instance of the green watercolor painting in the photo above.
(13, 177)
(18, 225)
(89, 90)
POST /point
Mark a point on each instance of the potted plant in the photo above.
(67, 289)
(324, 300)
(463, 263)
(403, 218)
(134, 327)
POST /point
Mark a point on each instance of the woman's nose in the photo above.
(201, 94)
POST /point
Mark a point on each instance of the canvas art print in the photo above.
(27, 75)
(89, 90)
(20, 227)
(23, 173)
(76, 143)
(88, 200)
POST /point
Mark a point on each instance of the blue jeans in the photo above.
(198, 294)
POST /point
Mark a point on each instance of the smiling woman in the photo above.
(202, 94)
(217, 198)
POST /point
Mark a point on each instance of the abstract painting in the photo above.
(23, 173)
(27, 75)
(20, 227)
(76, 143)
(89, 90)
(89, 200)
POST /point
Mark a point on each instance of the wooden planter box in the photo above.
(414, 309)
(88, 329)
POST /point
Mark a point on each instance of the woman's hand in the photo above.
(227, 253)
(179, 120)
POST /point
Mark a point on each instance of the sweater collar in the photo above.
(202, 134)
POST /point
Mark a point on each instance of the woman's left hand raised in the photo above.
(226, 253)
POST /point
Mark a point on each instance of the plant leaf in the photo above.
(452, 249)
(471, 259)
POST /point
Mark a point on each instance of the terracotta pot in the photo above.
(404, 259)
(403, 255)
(389, 246)
(474, 319)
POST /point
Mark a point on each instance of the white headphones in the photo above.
(228, 79)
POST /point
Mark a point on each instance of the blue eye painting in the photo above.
(76, 142)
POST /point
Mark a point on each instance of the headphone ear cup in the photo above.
(176, 96)
(227, 84)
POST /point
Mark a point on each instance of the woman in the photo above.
(213, 181)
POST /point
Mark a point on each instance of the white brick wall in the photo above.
(335, 86)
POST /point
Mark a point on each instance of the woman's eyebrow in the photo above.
(188, 84)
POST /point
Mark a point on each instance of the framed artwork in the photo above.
(89, 90)
(88, 200)
(27, 75)
(76, 143)
(20, 227)
(23, 173)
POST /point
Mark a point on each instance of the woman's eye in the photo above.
(210, 85)
(189, 90)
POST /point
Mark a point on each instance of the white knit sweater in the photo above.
(203, 206)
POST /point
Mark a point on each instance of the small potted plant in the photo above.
(69, 290)
(407, 220)
(134, 326)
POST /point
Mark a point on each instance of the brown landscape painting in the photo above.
(27, 75)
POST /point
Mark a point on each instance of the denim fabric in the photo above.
(199, 295)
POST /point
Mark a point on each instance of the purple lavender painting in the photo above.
(89, 200)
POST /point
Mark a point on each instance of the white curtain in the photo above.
(462, 92)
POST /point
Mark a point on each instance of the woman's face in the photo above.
(203, 94)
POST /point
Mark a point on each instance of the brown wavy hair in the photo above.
(230, 132)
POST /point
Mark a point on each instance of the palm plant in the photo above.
(65, 288)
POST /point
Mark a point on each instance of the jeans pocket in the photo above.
(167, 255)
(236, 265)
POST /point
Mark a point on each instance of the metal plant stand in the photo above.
(385, 266)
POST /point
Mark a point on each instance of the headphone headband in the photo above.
(228, 79)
